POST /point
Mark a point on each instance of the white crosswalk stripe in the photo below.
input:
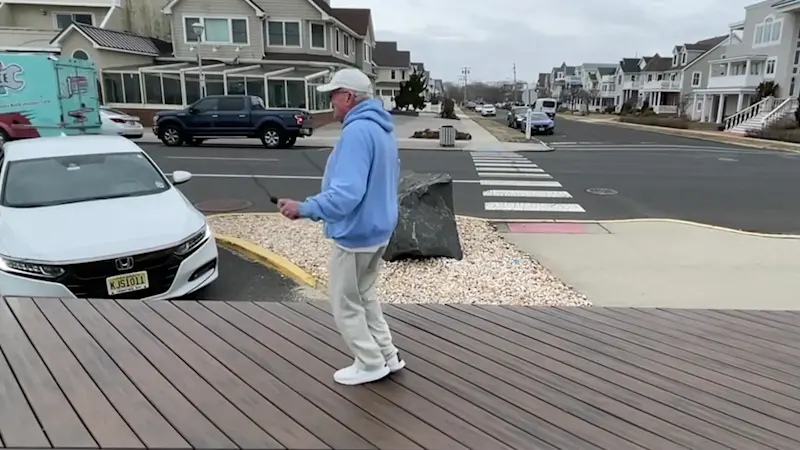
(514, 182)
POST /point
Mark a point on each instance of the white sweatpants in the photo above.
(352, 280)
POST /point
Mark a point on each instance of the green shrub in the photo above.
(654, 120)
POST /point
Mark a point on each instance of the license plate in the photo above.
(129, 282)
(540, 128)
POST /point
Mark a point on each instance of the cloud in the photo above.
(490, 36)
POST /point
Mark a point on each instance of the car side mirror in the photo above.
(191, 110)
(180, 177)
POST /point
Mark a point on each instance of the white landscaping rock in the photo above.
(493, 271)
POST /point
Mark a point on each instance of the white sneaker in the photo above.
(395, 363)
(355, 374)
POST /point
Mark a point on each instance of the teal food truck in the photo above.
(43, 95)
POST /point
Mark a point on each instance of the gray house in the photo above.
(628, 80)
(393, 67)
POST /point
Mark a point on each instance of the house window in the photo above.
(769, 69)
(683, 58)
(696, 78)
(755, 68)
(337, 39)
(317, 31)
(346, 45)
(674, 60)
(672, 77)
(791, 87)
(286, 94)
(367, 56)
(80, 54)
(283, 33)
(649, 77)
(403, 75)
(163, 89)
(660, 77)
(767, 32)
(394, 75)
(63, 20)
(122, 88)
(217, 30)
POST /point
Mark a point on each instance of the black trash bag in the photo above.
(426, 224)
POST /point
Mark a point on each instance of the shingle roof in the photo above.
(658, 64)
(387, 55)
(629, 65)
(607, 70)
(118, 40)
(706, 44)
(356, 19)
(323, 5)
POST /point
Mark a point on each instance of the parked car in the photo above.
(488, 110)
(541, 123)
(516, 117)
(117, 123)
(93, 217)
(471, 105)
(222, 116)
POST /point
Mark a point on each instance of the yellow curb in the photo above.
(656, 220)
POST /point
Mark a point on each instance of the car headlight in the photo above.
(194, 241)
(30, 269)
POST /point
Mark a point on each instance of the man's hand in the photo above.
(289, 208)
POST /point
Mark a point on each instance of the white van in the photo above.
(546, 105)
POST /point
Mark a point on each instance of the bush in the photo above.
(449, 109)
(610, 110)
(776, 134)
(655, 120)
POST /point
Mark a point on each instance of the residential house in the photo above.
(669, 81)
(566, 81)
(628, 80)
(31, 25)
(393, 67)
(232, 47)
(764, 47)
(597, 83)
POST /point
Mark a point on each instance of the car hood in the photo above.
(103, 228)
(541, 123)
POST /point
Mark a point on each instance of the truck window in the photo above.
(230, 104)
(549, 104)
(257, 103)
(206, 105)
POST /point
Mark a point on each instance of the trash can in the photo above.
(447, 136)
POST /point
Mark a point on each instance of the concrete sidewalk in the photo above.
(668, 264)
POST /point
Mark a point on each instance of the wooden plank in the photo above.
(757, 320)
(428, 409)
(736, 417)
(233, 326)
(732, 323)
(741, 387)
(145, 421)
(315, 423)
(555, 388)
(94, 409)
(148, 386)
(58, 419)
(785, 319)
(504, 434)
(700, 337)
(365, 398)
(554, 426)
(574, 375)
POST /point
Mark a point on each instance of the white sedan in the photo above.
(117, 123)
(94, 217)
(488, 110)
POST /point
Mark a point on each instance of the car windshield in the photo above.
(520, 111)
(539, 116)
(79, 178)
(549, 104)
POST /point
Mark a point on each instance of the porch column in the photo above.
(740, 102)
(728, 69)
(703, 109)
(747, 67)
(720, 108)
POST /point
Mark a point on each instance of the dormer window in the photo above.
(683, 58)
(675, 60)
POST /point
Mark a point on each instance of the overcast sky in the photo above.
(490, 36)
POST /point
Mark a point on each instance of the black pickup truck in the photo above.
(237, 116)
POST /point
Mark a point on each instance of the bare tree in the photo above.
(591, 95)
(574, 96)
(684, 107)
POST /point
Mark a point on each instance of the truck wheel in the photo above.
(272, 137)
(171, 135)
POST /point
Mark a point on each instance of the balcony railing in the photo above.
(662, 85)
(631, 85)
(21, 39)
(734, 81)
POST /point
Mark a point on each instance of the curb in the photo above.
(656, 220)
(267, 258)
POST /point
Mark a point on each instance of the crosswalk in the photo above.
(512, 183)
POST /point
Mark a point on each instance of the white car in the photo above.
(488, 110)
(117, 123)
(94, 217)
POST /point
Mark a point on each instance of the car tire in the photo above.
(194, 142)
(171, 135)
(290, 142)
(272, 136)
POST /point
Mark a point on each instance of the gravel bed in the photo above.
(492, 271)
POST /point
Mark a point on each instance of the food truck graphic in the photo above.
(43, 95)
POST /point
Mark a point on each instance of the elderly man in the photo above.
(358, 206)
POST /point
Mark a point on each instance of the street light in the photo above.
(198, 28)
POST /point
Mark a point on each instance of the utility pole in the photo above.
(514, 89)
(465, 75)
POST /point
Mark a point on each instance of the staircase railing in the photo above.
(779, 112)
(767, 104)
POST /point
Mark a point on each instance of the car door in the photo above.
(201, 117)
(233, 116)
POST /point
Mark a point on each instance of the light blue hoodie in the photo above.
(358, 201)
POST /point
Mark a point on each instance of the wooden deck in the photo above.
(216, 375)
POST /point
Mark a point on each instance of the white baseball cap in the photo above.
(352, 79)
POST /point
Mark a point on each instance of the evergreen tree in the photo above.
(412, 92)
